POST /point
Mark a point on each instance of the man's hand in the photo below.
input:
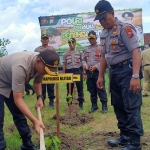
(135, 85)
(84, 76)
(86, 67)
(92, 68)
(39, 103)
(100, 83)
(37, 125)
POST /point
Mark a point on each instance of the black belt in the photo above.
(73, 69)
(119, 65)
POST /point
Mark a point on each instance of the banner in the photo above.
(62, 27)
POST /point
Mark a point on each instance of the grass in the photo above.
(101, 122)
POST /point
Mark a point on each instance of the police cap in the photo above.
(44, 36)
(101, 8)
(72, 40)
(92, 34)
(50, 60)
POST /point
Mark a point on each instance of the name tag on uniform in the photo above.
(69, 61)
(77, 59)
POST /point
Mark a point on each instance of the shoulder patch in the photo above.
(129, 32)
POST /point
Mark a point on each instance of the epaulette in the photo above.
(125, 25)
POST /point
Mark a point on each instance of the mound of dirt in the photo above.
(75, 119)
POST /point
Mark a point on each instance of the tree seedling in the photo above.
(52, 142)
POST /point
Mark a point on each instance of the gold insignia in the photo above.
(113, 41)
(91, 34)
(114, 47)
(115, 27)
(115, 32)
(56, 63)
(97, 11)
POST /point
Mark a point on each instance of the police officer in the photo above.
(15, 70)
(120, 50)
(91, 63)
(145, 56)
(72, 64)
(50, 87)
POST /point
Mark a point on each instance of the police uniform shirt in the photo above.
(118, 43)
(72, 59)
(40, 48)
(91, 56)
(15, 69)
(145, 56)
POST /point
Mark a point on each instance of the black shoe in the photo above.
(81, 106)
(123, 140)
(51, 104)
(33, 92)
(23, 147)
(93, 109)
(132, 147)
(27, 143)
(104, 108)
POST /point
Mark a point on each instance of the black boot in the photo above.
(104, 108)
(81, 105)
(123, 140)
(133, 143)
(33, 92)
(94, 107)
(27, 143)
(51, 103)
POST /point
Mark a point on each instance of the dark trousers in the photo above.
(79, 84)
(127, 105)
(28, 87)
(92, 78)
(50, 91)
(18, 118)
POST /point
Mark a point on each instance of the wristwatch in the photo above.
(40, 96)
(135, 76)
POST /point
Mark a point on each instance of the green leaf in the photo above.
(48, 141)
(69, 97)
(56, 145)
(57, 139)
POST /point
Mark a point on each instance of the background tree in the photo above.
(3, 43)
(51, 31)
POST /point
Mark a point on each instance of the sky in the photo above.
(19, 18)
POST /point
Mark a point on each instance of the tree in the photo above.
(3, 43)
(51, 31)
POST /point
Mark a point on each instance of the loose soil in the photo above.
(93, 141)
(75, 119)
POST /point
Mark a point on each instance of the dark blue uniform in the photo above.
(117, 46)
(72, 59)
(91, 57)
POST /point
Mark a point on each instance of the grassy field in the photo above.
(100, 124)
